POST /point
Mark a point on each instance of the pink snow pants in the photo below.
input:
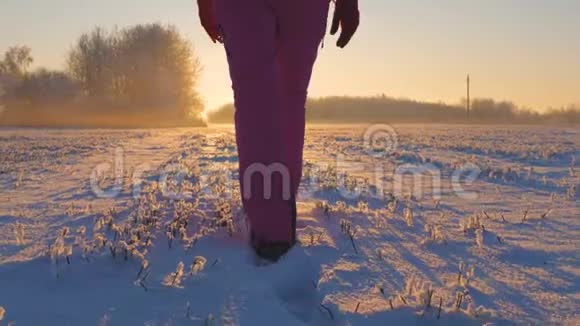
(271, 46)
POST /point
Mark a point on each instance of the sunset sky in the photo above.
(527, 51)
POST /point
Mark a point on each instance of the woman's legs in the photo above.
(301, 28)
(249, 31)
(271, 46)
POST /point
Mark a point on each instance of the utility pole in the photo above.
(468, 105)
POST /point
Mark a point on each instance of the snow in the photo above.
(164, 243)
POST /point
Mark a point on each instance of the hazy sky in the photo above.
(527, 51)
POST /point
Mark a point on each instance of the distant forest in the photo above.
(383, 109)
(141, 76)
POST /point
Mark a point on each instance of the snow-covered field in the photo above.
(409, 225)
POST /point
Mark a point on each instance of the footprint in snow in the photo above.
(294, 282)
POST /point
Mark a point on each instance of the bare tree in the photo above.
(17, 60)
(13, 68)
(150, 68)
(91, 62)
(160, 69)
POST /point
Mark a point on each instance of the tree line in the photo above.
(384, 109)
(140, 76)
